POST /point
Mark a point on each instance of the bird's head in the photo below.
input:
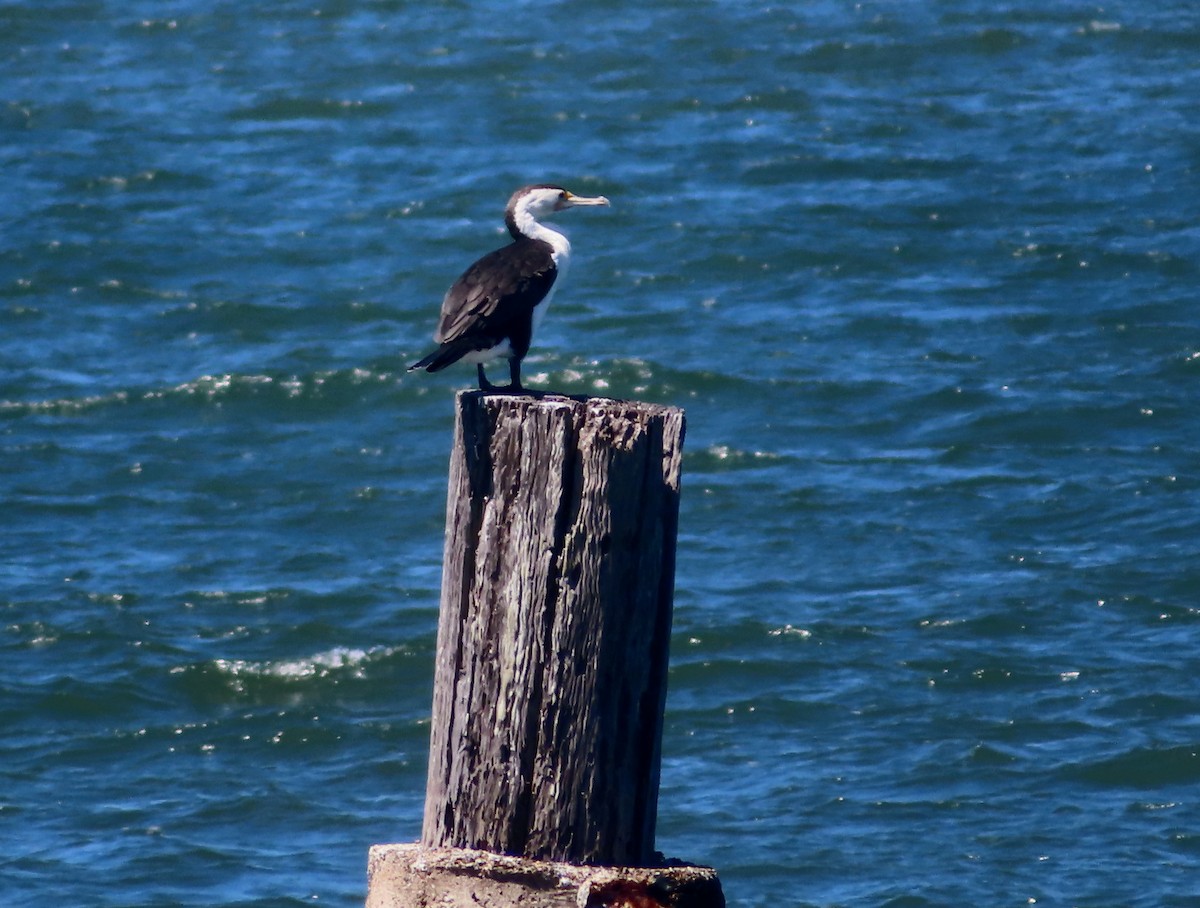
(543, 200)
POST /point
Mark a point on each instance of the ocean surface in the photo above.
(924, 276)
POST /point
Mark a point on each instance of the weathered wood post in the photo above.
(550, 682)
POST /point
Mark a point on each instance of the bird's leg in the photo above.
(484, 384)
(514, 370)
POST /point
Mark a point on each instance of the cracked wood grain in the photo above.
(550, 678)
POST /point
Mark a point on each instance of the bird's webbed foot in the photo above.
(514, 387)
(484, 384)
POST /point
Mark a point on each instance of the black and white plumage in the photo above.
(494, 308)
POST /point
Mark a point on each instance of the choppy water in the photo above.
(924, 277)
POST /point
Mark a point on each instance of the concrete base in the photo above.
(413, 876)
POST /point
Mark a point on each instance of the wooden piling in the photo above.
(550, 682)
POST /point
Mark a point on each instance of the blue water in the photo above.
(924, 277)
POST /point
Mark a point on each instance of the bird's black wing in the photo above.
(496, 295)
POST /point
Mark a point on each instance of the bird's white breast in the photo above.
(560, 254)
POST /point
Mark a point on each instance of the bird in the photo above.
(492, 311)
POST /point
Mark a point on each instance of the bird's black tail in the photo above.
(443, 356)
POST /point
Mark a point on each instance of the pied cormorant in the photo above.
(492, 311)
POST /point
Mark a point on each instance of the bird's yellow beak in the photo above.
(572, 200)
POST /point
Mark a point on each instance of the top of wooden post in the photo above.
(598, 407)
